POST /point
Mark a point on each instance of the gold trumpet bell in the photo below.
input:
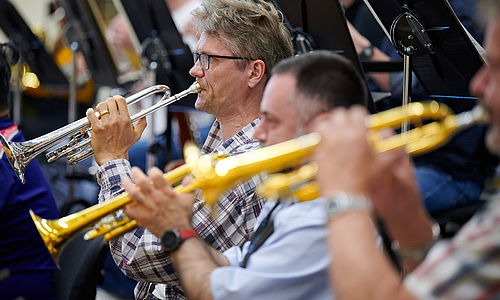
(50, 231)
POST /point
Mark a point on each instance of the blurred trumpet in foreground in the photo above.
(78, 148)
(300, 183)
(212, 173)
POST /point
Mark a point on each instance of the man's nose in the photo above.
(196, 70)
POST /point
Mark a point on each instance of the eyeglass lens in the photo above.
(203, 58)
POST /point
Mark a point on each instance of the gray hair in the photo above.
(252, 29)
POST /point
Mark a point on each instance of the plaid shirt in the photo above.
(468, 266)
(139, 254)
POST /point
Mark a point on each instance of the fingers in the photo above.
(121, 105)
(112, 106)
(187, 180)
(102, 108)
(91, 116)
(156, 178)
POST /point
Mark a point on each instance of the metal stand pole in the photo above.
(72, 110)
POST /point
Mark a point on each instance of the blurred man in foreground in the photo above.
(466, 267)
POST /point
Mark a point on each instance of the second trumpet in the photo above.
(78, 148)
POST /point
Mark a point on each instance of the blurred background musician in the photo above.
(233, 54)
(22, 251)
(455, 174)
(358, 14)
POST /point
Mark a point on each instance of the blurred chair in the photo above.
(450, 221)
(81, 263)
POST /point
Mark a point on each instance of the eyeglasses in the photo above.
(205, 59)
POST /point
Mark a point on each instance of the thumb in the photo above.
(140, 126)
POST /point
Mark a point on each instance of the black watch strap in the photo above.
(172, 239)
(367, 52)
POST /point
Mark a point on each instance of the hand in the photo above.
(346, 161)
(155, 205)
(113, 133)
(398, 197)
(398, 202)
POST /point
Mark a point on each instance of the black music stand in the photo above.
(91, 42)
(433, 42)
(162, 45)
(325, 23)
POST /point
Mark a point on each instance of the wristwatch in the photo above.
(419, 253)
(172, 239)
(367, 52)
(342, 202)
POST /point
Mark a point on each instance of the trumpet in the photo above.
(301, 185)
(20, 154)
(213, 174)
(55, 233)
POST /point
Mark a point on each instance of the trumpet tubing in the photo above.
(212, 173)
(20, 154)
(55, 233)
(301, 185)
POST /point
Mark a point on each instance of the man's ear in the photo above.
(311, 126)
(257, 71)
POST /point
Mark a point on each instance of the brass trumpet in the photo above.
(20, 154)
(422, 139)
(55, 233)
(212, 173)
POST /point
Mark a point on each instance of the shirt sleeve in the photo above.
(137, 253)
(467, 267)
(291, 264)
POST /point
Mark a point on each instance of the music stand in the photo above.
(432, 40)
(162, 45)
(325, 22)
(91, 42)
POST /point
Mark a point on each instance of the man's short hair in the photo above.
(248, 28)
(327, 80)
(4, 81)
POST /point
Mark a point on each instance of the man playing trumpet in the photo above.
(240, 41)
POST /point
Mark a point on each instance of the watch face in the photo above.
(170, 241)
(367, 52)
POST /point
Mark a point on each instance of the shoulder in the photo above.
(308, 212)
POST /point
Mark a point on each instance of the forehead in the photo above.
(492, 42)
(212, 45)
